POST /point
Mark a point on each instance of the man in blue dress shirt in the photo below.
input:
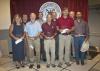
(33, 30)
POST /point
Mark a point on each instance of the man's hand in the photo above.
(31, 38)
(41, 36)
(22, 37)
(46, 37)
(68, 31)
(61, 30)
(51, 37)
(86, 39)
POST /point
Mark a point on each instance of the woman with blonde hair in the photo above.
(16, 32)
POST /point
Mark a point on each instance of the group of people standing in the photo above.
(50, 40)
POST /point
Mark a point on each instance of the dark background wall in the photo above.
(28, 6)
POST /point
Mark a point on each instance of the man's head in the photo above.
(65, 12)
(24, 18)
(78, 14)
(54, 15)
(32, 17)
(72, 14)
(49, 17)
(40, 15)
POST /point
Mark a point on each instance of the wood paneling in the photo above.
(4, 47)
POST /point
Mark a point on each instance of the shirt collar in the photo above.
(32, 22)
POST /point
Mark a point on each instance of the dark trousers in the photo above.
(42, 51)
(78, 41)
(57, 47)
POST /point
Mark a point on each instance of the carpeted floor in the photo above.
(6, 64)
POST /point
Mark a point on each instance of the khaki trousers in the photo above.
(64, 42)
(49, 46)
(36, 44)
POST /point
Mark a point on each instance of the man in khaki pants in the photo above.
(33, 30)
(65, 27)
(49, 33)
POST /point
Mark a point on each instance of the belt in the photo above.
(50, 38)
(78, 35)
(33, 37)
(65, 34)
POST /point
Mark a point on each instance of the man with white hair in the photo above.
(33, 30)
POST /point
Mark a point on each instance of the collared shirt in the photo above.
(65, 23)
(49, 30)
(33, 28)
(81, 28)
(41, 21)
(55, 22)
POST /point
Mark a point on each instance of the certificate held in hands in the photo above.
(18, 41)
(85, 46)
(64, 31)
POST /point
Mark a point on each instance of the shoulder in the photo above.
(28, 23)
(75, 21)
(11, 26)
(54, 23)
(84, 22)
(44, 24)
(70, 19)
(60, 18)
(37, 23)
